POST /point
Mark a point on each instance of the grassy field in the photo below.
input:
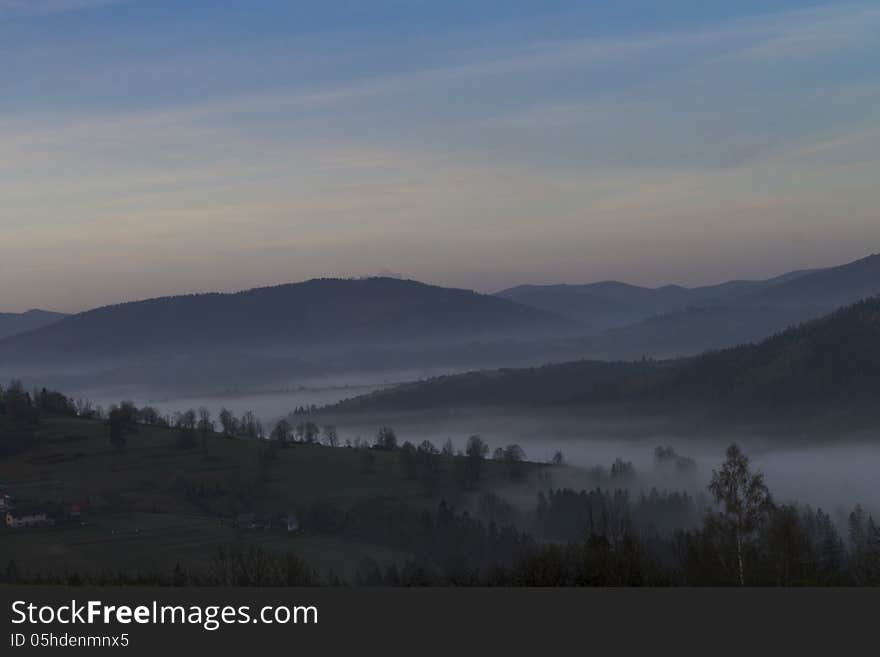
(153, 504)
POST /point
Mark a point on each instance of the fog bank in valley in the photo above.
(830, 472)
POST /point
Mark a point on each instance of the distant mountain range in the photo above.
(675, 321)
(15, 323)
(829, 364)
(316, 313)
(611, 304)
(337, 327)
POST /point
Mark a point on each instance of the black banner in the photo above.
(468, 621)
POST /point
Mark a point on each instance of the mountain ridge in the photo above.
(676, 321)
(318, 311)
(17, 323)
(830, 362)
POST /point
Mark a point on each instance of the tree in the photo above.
(150, 416)
(427, 447)
(281, 432)
(621, 469)
(185, 423)
(386, 439)
(250, 426)
(228, 423)
(84, 408)
(331, 438)
(476, 448)
(864, 538)
(18, 404)
(475, 451)
(129, 413)
(512, 456)
(745, 502)
(205, 425)
(307, 432)
(408, 460)
(185, 419)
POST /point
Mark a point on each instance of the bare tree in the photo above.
(205, 426)
(307, 432)
(281, 432)
(745, 501)
(331, 438)
(228, 423)
(475, 451)
(386, 439)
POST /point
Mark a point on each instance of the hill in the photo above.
(632, 322)
(829, 363)
(318, 312)
(610, 304)
(15, 323)
(745, 313)
(154, 505)
(600, 305)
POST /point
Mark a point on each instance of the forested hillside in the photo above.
(834, 360)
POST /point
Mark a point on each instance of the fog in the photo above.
(833, 473)
(830, 473)
(268, 405)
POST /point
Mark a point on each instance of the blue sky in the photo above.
(152, 147)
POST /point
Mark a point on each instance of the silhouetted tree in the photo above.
(331, 438)
(205, 426)
(475, 451)
(745, 502)
(386, 439)
(307, 432)
(228, 423)
(281, 432)
(408, 460)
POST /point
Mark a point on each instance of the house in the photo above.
(29, 517)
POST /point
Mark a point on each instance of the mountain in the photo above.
(744, 313)
(313, 314)
(15, 323)
(829, 363)
(600, 305)
(610, 304)
(631, 322)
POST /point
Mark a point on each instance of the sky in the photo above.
(154, 147)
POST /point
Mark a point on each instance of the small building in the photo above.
(29, 517)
